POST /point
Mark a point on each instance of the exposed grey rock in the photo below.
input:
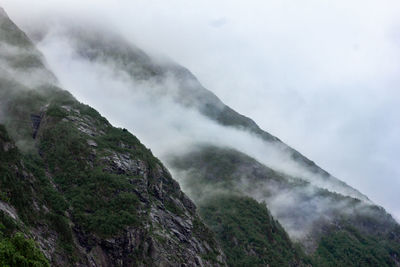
(9, 210)
(122, 163)
(92, 143)
(164, 234)
(85, 124)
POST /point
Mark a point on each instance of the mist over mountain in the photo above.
(321, 76)
(76, 191)
(297, 213)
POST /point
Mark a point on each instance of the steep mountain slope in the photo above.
(89, 194)
(101, 198)
(316, 209)
(349, 229)
(111, 50)
(249, 234)
(15, 249)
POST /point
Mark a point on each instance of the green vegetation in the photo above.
(19, 251)
(248, 233)
(76, 179)
(9, 33)
(104, 203)
(56, 111)
(15, 249)
(348, 247)
(251, 237)
(204, 233)
(101, 202)
(24, 182)
(66, 178)
(121, 140)
(13, 188)
(7, 224)
(243, 226)
(122, 54)
(63, 177)
(59, 180)
(211, 168)
(14, 40)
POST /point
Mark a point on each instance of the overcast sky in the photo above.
(321, 75)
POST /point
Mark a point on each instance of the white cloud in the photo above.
(323, 76)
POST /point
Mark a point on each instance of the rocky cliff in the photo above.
(331, 222)
(88, 193)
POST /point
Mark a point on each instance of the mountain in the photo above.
(310, 204)
(331, 228)
(94, 195)
(111, 49)
(88, 193)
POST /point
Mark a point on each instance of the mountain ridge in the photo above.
(105, 200)
(189, 92)
(89, 194)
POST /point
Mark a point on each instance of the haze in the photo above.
(323, 77)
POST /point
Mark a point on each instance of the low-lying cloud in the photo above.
(148, 109)
(322, 76)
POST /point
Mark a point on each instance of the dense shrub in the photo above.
(348, 247)
(19, 251)
(101, 202)
(248, 233)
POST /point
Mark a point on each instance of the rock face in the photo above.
(166, 230)
(310, 204)
(93, 195)
(90, 194)
(107, 49)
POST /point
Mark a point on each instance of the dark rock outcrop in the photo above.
(93, 195)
